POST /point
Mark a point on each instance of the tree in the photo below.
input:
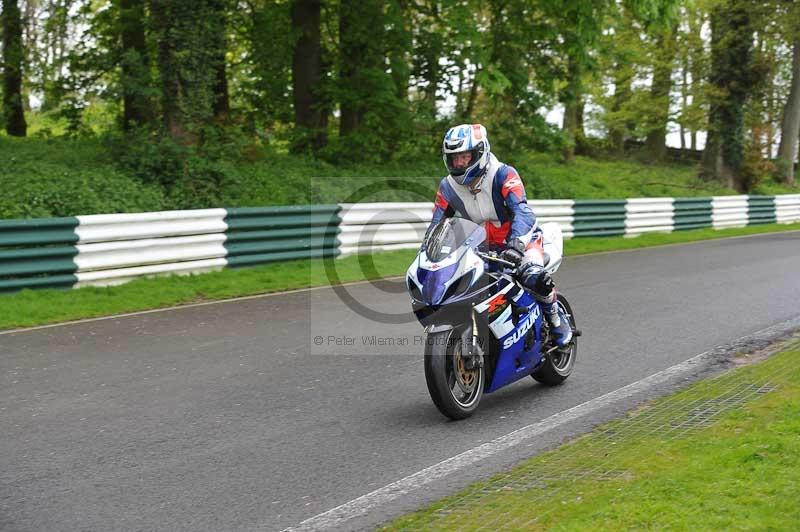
(580, 26)
(399, 44)
(373, 118)
(47, 28)
(266, 84)
(218, 42)
(770, 77)
(516, 78)
(12, 70)
(137, 107)
(622, 56)
(361, 38)
(660, 93)
(620, 53)
(694, 114)
(790, 125)
(432, 23)
(731, 53)
(310, 114)
(187, 64)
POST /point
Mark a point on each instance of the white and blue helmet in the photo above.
(469, 138)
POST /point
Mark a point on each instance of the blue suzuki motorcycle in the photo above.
(483, 329)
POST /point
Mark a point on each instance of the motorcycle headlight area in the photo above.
(459, 287)
(413, 289)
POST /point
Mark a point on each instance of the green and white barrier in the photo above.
(371, 227)
(105, 249)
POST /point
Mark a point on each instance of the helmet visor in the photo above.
(458, 163)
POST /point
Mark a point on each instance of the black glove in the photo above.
(514, 252)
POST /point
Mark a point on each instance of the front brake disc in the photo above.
(465, 378)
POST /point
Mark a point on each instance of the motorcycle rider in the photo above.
(482, 189)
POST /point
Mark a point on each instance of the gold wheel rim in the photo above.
(466, 376)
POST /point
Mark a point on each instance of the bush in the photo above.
(62, 177)
(42, 177)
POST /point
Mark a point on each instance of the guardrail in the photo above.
(382, 226)
(106, 249)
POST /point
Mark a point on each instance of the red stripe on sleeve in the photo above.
(513, 183)
(440, 201)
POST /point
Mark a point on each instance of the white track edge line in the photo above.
(361, 505)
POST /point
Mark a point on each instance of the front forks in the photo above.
(474, 351)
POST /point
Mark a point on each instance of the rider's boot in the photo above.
(541, 285)
(559, 323)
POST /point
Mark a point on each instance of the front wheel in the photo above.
(558, 363)
(455, 390)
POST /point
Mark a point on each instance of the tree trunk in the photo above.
(432, 52)
(164, 19)
(570, 128)
(186, 61)
(307, 74)
(731, 76)
(12, 70)
(622, 93)
(352, 50)
(473, 95)
(696, 56)
(31, 35)
(135, 77)
(400, 49)
(361, 39)
(771, 120)
(221, 104)
(660, 92)
(684, 95)
(798, 157)
(571, 98)
(790, 125)
(581, 146)
(219, 41)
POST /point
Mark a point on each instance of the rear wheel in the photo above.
(455, 390)
(558, 363)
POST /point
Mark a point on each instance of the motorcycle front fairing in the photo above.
(447, 273)
(450, 285)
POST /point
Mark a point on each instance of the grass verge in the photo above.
(39, 307)
(721, 455)
(43, 176)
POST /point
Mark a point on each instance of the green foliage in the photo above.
(395, 75)
(187, 32)
(515, 92)
(731, 77)
(61, 177)
(635, 66)
(143, 171)
(265, 86)
(12, 111)
(373, 117)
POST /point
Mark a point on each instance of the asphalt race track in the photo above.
(230, 417)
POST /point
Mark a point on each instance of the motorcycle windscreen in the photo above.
(449, 235)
